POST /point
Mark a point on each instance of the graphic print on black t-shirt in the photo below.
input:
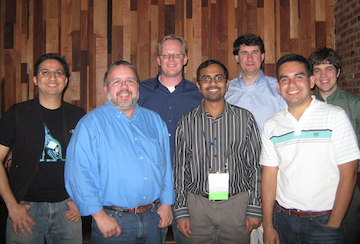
(52, 148)
(48, 182)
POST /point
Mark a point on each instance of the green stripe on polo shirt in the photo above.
(313, 134)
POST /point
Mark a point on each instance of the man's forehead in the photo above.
(50, 63)
(323, 62)
(255, 47)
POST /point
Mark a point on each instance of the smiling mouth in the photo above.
(293, 92)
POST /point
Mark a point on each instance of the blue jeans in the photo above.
(309, 230)
(135, 228)
(51, 225)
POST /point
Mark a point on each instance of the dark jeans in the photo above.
(309, 230)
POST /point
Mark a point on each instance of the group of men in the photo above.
(213, 159)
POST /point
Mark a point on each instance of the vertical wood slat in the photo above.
(78, 31)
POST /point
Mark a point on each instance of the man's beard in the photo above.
(115, 102)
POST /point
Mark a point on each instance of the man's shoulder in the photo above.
(191, 114)
(350, 97)
(73, 108)
(150, 115)
(149, 82)
(239, 111)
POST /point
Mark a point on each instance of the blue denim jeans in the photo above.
(51, 225)
(135, 228)
(309, 230)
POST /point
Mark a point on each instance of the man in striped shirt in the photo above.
(216, 168)
(309, 157)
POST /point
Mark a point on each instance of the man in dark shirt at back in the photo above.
(169, 93)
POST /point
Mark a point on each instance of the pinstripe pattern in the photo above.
(229, 143)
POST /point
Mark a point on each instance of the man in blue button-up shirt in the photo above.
(253, 90)
(119, 166)
(170, 94)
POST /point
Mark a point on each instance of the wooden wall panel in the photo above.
(90, 34)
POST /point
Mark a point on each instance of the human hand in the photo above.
(20, 218)
(73, 213)
(106, 224)
(252, 224)
(271, 236)
(166, 216)
(184, 227)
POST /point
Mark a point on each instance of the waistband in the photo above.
(300, 213)
(136, 210)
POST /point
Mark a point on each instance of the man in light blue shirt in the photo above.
(118, 168)
(253, 90)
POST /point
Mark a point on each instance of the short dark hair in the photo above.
(248, 40)
(325, 55)
(52, 56)
(293, 58)
(117, 63)
(208, 63)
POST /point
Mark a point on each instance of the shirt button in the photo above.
(118, 116)
(170, 107)
(145, 178)
(135, 139)
(140, 157)
(169, 120)
(144, 197)
(169, 134)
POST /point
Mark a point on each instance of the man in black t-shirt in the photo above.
(38, 131)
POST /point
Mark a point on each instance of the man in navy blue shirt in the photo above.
(170, 94)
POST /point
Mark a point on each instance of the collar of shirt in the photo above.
(119, 113)
(180, 86)
(329, 98)
(227, 109)
(253, 85)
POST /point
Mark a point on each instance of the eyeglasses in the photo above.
(116, 83)
(217, 79)
(173, 55)
(47, 73)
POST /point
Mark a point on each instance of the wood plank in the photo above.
(294, 19)
(269, 31)
(320, 10)
(320, 34)
(330, 27)
(100, 18)
(154, 37)
(101, 67)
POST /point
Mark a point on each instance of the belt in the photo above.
(136, 210)
(299, 213)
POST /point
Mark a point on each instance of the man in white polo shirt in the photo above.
(309, 157)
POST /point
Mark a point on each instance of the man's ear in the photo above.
(35, 80)
(312, 81)
(278, 87)
(198, 85)
(338, 73)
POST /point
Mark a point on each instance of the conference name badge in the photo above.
(219, 186)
